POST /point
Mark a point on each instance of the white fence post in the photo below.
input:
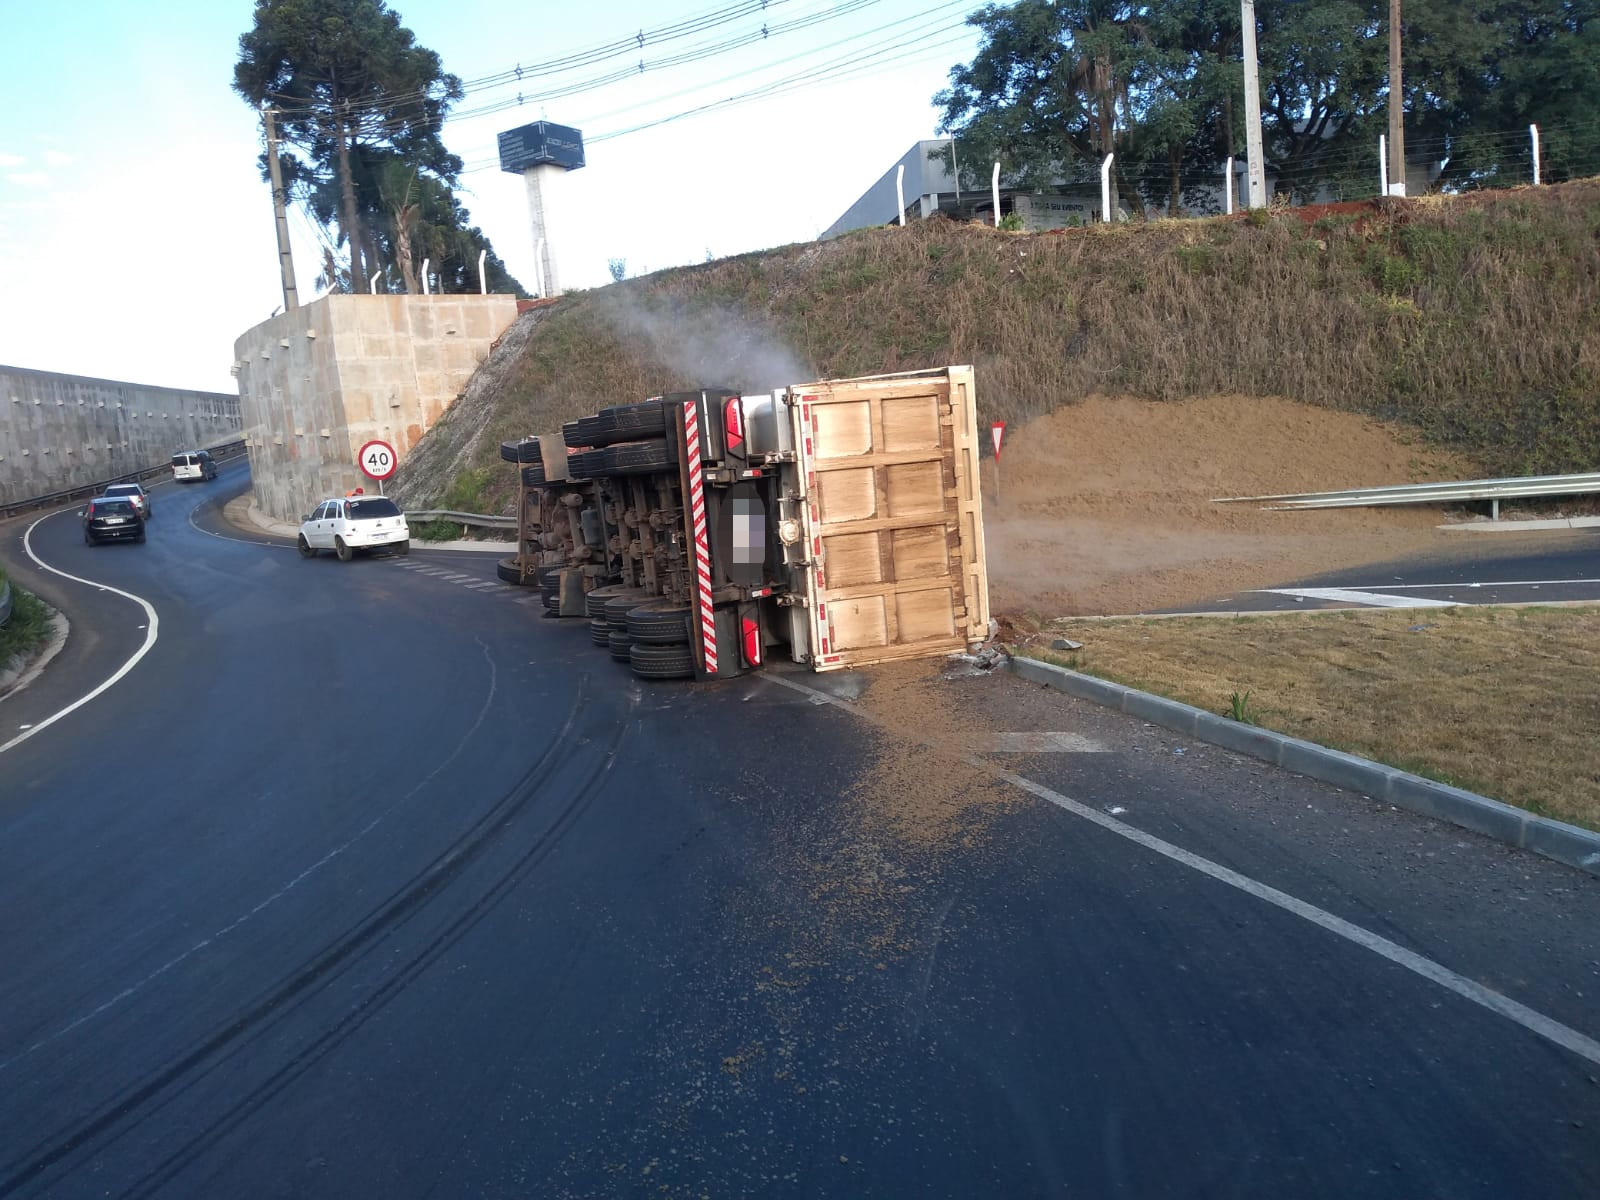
(1383, 166)
(426, 263)
(1533, 133)
(374, 288)
(483, 280)
(1227, 187)
(900, 191)
(1105, 188)
(994, 189)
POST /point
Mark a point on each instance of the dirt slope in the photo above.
(1106, 506)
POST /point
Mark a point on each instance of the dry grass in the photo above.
(1503, 701)
(1474, 319)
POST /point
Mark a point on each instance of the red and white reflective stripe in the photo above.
(702, 547)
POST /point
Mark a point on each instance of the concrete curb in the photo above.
(1521, 526)
(1565, 843)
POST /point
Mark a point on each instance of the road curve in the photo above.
(368, 881)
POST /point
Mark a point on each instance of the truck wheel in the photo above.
(618, 608)
(512, 451)
(342, 550)
(551, 597)
(533, 475)
(659, 622)
(620, 645)
(661, 662)
(638, 458)
(510, 572)
(628, 422)
(596, 599)
(599, 631)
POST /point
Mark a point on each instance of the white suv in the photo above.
(352, 523)
(130, 491)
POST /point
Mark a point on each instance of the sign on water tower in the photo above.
(541, 153)
(540, 143)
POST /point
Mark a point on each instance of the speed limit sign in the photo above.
(377, 460)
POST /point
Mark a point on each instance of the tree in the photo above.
(363, 105)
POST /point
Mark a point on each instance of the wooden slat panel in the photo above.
(921, 616)
(853, 558)
(859, 623)
(847, 495)
(915, 488)
(910, 423)
(844, 429)
(919, 552)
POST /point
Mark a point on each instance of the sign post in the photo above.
(378, 461)
(997, 433)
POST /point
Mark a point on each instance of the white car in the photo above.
(350, 523)
(130, 491)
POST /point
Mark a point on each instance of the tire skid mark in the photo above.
(375, 1001)
(339, 956)
(133, 989)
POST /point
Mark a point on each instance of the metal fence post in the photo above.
(1105, 189)
(1533, 134)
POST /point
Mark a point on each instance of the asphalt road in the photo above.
(1560, 567)
(365, 880)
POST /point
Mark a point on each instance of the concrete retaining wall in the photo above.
(60, 432)
(317, 383)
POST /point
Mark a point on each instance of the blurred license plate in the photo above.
(116, 520)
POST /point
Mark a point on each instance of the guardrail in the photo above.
(223, 453)
(5, 602)
(1493, 490)
(459, 518)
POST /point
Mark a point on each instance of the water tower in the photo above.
(541, 153)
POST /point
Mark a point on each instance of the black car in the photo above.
(111, 519)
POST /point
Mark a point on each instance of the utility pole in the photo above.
(291, 298)
(1397, 132)
(1256, 169)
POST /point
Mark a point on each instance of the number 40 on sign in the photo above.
(377, 460)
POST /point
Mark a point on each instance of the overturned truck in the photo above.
(836, 524)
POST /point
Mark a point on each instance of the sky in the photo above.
(136, 235)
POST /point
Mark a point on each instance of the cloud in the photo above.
(57, 158)
(7, 161)
(31, 179)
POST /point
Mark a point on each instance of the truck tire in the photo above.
(582, 465)
(659, 623)
(524, 451)
(551, 599)
(618, 608)
(629, 422)
(533, 475)
(638, 458)
(596, 598)
(510, 571)
(620, 645)
(661, 662)
(599, 631)
(548, 577)
(570, 435)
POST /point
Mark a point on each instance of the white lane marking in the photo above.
(1530, 1019)
(152, 625)
(1353, 596)
(1487, 583)
(1046, 743)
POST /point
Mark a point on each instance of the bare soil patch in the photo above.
(1106, 506)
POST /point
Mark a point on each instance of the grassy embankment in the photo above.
(1473, 322)
(26, 632)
